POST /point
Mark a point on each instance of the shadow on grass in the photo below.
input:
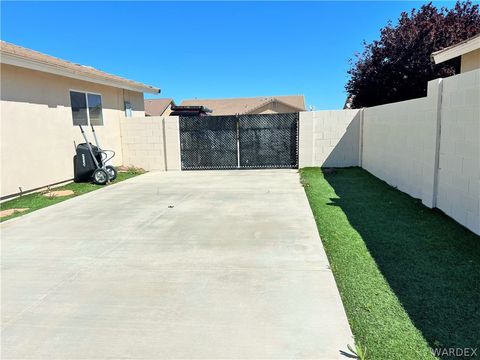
(431, 262)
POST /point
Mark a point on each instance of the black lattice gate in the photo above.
(268, 140)
(244, 141)
(208, 142)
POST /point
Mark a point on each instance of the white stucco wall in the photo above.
(329, 138)
(459, 164)
(37, 133)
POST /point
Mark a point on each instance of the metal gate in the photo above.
(268, 140)
(235, 142)
(208, 142)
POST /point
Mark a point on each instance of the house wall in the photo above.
(329, 138)
(470, 61)
(37, 134)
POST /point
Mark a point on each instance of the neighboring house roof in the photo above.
(245, 105)
(190, 111)
(456, 50)
(156, 107)
(19, 56)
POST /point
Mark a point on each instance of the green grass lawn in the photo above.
(409, 276)
(35, 201)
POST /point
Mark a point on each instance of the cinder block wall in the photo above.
(399, 144)
(458, 192)
(151, 142)
(143, 142)
(427, 147)
(329, 138)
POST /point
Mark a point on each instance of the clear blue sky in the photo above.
(209, 49)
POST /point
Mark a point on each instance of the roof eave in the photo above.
(456, 50)
(11, 59)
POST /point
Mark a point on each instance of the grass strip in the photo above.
(408, 275)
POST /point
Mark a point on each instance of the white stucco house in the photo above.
(43, 98)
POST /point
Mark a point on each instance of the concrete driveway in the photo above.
(213, 264)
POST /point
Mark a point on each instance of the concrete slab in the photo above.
(204, 265)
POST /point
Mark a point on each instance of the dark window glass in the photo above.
(95, 109)
(79, 108)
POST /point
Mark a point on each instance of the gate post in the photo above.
(306, 141)
(172, 143)
(238, 140)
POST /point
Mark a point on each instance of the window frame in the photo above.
(84, 92)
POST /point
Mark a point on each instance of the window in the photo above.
(79, 108)
(81, 102)
(95, 109)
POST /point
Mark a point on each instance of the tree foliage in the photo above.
(398, 66)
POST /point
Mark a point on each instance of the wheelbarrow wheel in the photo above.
(111, 171)
(100, 177)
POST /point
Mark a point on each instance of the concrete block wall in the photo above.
(458, 193)
(329, 138)
(399, 144)
(430, 147)
(143, 142)
(427, 147)
(151, 142)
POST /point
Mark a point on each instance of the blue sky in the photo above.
(209, 49)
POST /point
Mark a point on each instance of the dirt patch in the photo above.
(124, 169)
(9, 212)
(58, 193)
